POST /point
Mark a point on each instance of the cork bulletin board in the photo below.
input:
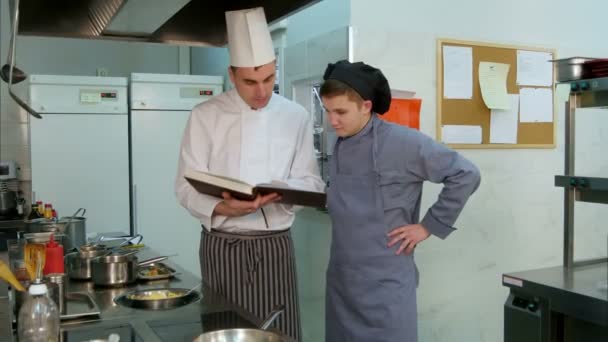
(474, 111)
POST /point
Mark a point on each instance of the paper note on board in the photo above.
(457, 72)
(461, 134)
(493, 84)
(535, 105)
(503, 123)
(534, 68)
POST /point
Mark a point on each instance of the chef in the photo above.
(376, 176)
(250, 133)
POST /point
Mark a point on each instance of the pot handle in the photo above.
(272, 316)
(84, 211)
(153, 260)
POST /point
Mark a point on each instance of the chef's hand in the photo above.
(410, 236)
(233, 207)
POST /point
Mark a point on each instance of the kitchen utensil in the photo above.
(9, 72)
(570, 69)
(158, 299)
(78, 263)
(243, 335)
(57, 284)
(16, 75)
(117, 269)
(9, 277)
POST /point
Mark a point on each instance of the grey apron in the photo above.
(371, 292)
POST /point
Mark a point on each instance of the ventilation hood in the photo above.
(184, 22)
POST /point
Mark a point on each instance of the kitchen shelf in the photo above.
(590, 93)
(588, 189)
(586, 93)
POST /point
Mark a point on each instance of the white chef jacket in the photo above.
(225, 136)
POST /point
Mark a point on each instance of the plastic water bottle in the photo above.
(38, 317)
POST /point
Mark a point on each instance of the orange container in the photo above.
(404, 112)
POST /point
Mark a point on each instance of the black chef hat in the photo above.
(366, 80)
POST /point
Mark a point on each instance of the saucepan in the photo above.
(246, 335)
(118, 269)
(78, 263)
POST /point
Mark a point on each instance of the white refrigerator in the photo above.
(80, 148)
(160, 108)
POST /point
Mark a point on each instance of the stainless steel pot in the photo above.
(117, 269)
(246, 335)
(570, 69)
(78, 264)
(73, 227)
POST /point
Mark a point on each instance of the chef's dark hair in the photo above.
(368, 82)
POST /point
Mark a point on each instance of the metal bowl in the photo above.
(134, 299)
(239, 335)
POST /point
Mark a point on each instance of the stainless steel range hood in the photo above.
(186, 22)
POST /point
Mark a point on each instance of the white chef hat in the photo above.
(249, 40)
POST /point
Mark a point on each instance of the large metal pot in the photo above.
(78, 264)
(246, 335)
(117, 269)
(73, 227)
(570, 69)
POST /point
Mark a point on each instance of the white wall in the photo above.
(44, 55)
(514, 221)
(211, 61)
(320, 18)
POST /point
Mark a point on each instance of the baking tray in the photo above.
(80, 305)
(170, 274)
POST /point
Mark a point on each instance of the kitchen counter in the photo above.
(212, 312)
(557, 304)
(574, 292)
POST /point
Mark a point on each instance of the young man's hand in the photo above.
(409, 236)
(233, 207)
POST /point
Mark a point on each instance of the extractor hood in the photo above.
(185, 22)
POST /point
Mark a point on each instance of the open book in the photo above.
(214, 185)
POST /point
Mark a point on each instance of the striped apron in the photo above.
(255, 270)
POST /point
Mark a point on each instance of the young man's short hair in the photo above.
(331, 88)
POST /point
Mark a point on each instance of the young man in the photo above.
(249, 133)
(376, 176)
